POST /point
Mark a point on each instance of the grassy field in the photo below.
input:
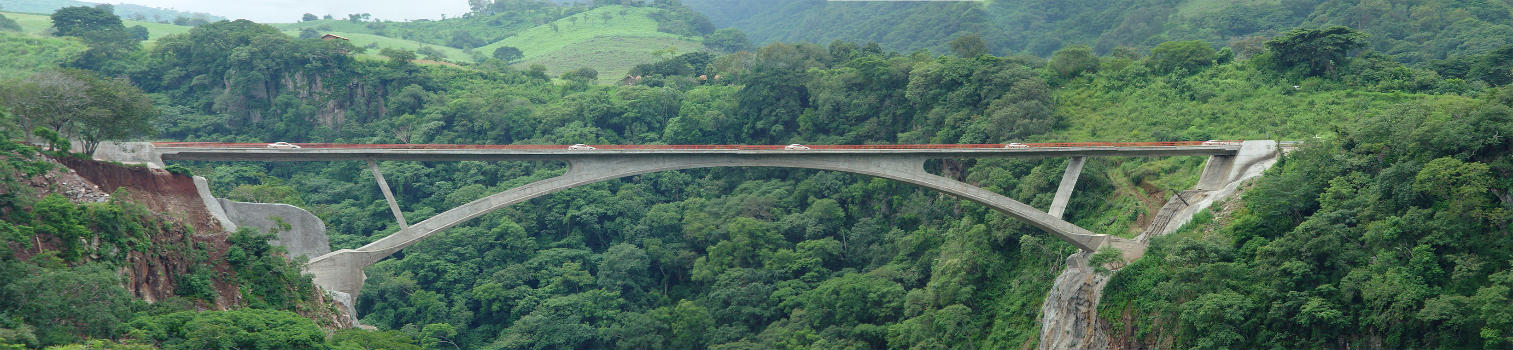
(587, 39)
(381, 42)
(609, 39)
(333, 25)
(23, 54)
(612, 57)
(38, 24)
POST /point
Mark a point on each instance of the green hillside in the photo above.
(39, 24)
(610, 39)
(374, 43)
(126, 11)
(1410, 31)
(24, 54)
(612, 57)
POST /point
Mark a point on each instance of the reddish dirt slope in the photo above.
(151, 276)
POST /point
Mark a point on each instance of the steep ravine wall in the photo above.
(1069, 316)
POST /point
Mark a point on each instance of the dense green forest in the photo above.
(1408, 31)
(1388, 227)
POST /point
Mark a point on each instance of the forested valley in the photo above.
(1388, 226)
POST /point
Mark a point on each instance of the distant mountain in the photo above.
(126, 11)
(1411, 31)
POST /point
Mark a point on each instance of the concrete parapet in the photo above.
(129, 153)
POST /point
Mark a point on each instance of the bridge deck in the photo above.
(413, 152)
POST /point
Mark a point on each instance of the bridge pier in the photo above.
(1068, 183)
(388, 195)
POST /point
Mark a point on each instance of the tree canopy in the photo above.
(1314, 51)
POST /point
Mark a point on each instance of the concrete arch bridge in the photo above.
(342, 270)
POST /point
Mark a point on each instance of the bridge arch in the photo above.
(342, 270)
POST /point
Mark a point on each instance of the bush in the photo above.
(1188, 55)
(178, 170)
(235, 329)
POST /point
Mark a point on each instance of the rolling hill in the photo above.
(126, 11)
(377, 42)
(610, 39)
(38, 24)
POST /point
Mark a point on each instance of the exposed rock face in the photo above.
(1069, 316)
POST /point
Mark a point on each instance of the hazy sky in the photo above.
(285, 11)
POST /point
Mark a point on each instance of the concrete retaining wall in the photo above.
(301, 233)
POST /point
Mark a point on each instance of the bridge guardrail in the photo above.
(699, 147)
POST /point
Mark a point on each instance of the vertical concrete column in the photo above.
(388, 195)
(1068, 182)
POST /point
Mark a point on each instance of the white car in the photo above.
(283, 145)
(1016, 145)
(580, 147)
(1218, 143)
(796, 147)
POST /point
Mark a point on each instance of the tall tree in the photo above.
(109, 41)
(47, 99)
(968, 45)
(81, 20)
(1315, 51)
(507, 53)
(117, 110)
(81, 104)
(1073, 61)
(1187, 55)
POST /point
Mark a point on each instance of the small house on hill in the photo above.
(332, 37)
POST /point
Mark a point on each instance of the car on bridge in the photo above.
(1220, 143)
(796, 147)
(282, 145)
(1016, 145)
(580, 147)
